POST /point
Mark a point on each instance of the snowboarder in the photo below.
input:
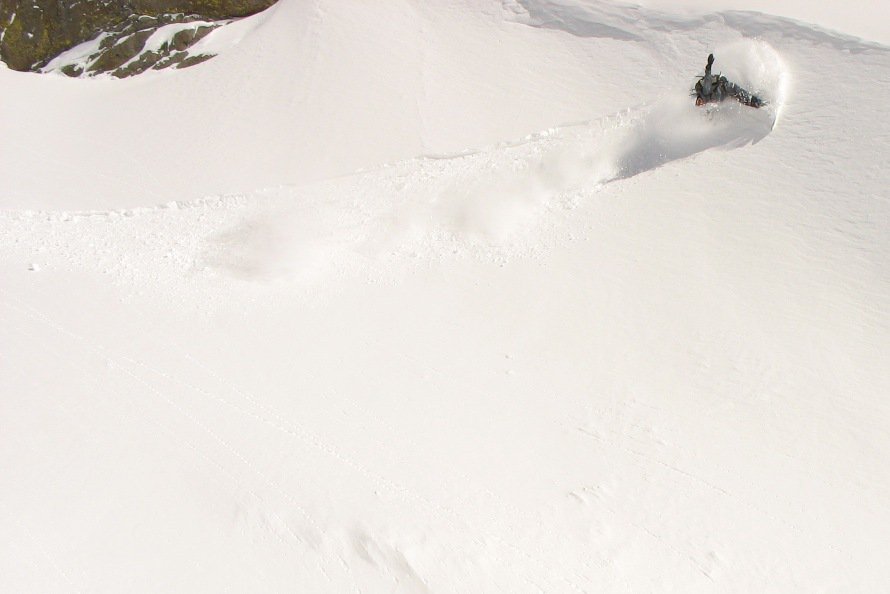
(712, 88)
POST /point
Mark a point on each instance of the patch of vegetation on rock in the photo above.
(33, 32)
(122, 51)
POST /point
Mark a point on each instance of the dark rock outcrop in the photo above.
(121, 50)
(33, 32)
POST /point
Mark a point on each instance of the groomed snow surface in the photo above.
(453, 296)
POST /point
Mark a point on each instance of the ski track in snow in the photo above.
(436, 204)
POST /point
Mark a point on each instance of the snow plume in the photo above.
(757, 67)
(491, 199)
(297, 241)
(524, 176)
(494, 197)
(675, 129)
(512, 182)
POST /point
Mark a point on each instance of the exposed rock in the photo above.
(192, 60)
(122, 52)
(185, 38)
(132, 47)
(145, 61)
(72, 70)
(171, 60)
(33, 32)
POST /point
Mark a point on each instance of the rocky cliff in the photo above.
(33, 32)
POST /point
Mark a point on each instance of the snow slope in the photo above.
(863, 18)
(562, 332)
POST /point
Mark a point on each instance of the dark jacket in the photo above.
(712, 88)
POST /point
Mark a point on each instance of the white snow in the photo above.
(451, 296)
(79, 55)
(866, 19)
(166, 33)
(9, 22)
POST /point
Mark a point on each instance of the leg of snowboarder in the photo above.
(743, 96)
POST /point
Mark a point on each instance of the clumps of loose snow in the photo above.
(674, 128)
(488, 201)
(620, 146)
